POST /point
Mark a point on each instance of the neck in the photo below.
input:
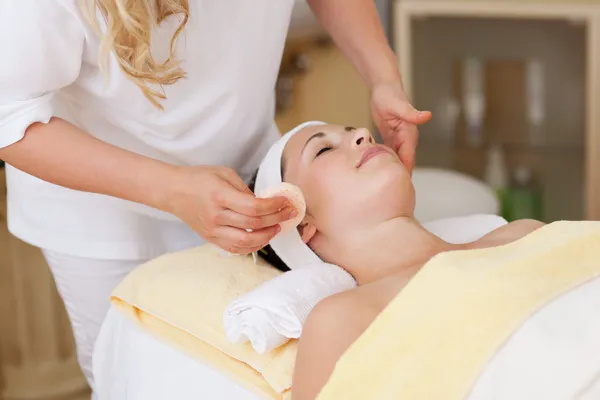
(400, 247)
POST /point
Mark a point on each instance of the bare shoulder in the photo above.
(354, 310)
(331, 328)
(527, 224)
(510, 232)
(340, 318)
(518, 229)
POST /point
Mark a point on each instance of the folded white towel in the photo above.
(275, 311)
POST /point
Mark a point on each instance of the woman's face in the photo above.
(349, 182)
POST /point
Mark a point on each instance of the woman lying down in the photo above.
(360, 216)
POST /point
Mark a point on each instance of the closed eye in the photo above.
(323, 150)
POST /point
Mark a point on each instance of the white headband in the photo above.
(289, 245)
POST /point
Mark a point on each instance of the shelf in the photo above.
(521, 9)
(564, 34)
(554, 149)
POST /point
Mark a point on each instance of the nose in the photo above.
(361, 137)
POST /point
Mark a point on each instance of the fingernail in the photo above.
(293, 213)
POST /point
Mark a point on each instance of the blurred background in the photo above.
(510, 85)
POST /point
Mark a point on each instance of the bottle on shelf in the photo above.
(536, 107)
(524, 197)
(448, 111)
(496, 174)
(474, 100)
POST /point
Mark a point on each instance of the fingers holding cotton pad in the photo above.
(295, 197)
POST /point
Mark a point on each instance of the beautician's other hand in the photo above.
(219, 206)
(397, 120)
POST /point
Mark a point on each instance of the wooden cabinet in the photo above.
(329, 89)
(435, 38)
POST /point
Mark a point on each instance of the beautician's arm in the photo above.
(203, 197)
(356, 28)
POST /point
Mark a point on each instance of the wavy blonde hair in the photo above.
(128, 32)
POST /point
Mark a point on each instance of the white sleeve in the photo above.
(41, 50)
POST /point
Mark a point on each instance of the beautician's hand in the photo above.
(219, 206)
(397, 120)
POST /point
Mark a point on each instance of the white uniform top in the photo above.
(222, 114)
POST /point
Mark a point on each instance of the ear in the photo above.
(307, 230)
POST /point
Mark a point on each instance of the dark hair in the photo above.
(267, 253)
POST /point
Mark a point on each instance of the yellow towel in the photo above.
(436, 336)
(180, 298)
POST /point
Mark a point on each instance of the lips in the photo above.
(370, 153)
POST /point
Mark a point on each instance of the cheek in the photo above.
(342, 199)
(327, 189)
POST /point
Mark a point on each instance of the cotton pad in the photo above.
(295, 197)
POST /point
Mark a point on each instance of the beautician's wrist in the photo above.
(164, 186)
(394, 84)
(390, 79)
(385, 72)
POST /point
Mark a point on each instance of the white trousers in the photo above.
(85, 286)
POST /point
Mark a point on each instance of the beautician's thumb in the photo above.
(405, 111)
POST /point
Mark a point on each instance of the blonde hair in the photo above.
(128, 29)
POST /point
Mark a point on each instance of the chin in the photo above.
(391, 175)
(395, 189)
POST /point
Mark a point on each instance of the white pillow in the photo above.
(443, 193)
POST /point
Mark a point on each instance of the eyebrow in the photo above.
(315, 136)
(349, 128)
